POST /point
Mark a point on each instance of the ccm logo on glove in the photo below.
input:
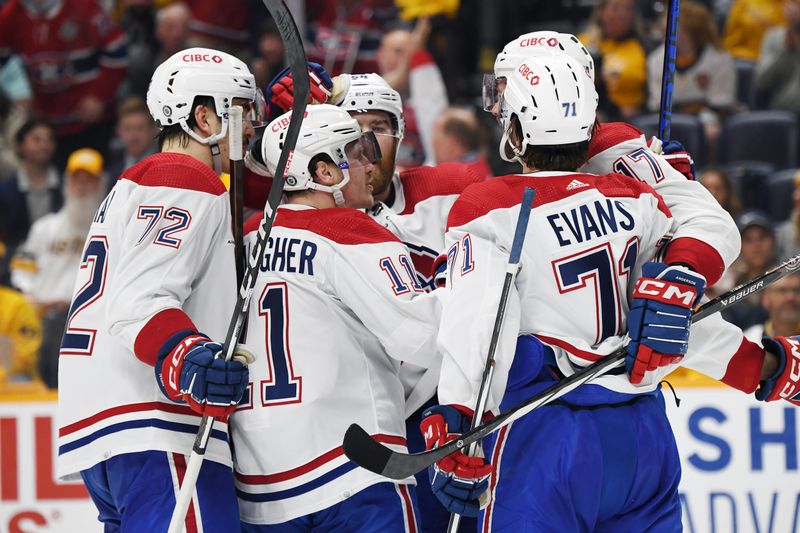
(669, 293)
(790, 388)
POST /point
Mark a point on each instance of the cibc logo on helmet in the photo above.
(201, 58)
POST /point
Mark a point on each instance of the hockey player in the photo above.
(337, 307)
(604, 457)
(705, 239)
(156, 284)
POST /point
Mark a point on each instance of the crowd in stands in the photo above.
(74, 75)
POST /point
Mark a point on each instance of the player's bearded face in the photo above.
(380, 123)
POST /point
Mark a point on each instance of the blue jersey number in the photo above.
(597, 266)
(282, 387)
(80, 341)
(623, 166)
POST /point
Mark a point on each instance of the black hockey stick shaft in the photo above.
(668, 72)
(236, 188)
(293, 44)
(488, 370)
(363, 450)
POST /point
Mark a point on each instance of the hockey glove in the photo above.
(280, 91)
(458, 480)
(189, 370)
(785, 382)
(660, 317)
(677, 156)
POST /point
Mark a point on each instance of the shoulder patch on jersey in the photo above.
(610, 134)
(339, 224)
(506, 191)
(421, 183)
(177, 171)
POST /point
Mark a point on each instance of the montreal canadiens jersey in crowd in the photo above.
(73, 51)
(53, 248)
(706, 236)
(586, 241)
(335, 309)
(158, 259)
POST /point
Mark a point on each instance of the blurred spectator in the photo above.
(136, 137)
(787, 233)
(15, 102)
(782, 302)
(777, 77)
(747, 22)
(221, 27)
(138, 23)
(172, 30)
(269, 58)
(705, 77)
(75, 57)
(758, 253)
(344, 35)
(457, 137)
(614, 38)
(34, 189)
(20, 335)
(44, 265)
(406, 65)
(719, 185)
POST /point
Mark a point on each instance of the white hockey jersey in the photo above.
(586, 241)
(706, 236)
(158, 259)
(45, 264)
(334, 311)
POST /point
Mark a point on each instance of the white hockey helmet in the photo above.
(326, 129)
(370, 92)
(553, 100)
(198, 72)
(534, 44)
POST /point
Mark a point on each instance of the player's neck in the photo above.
(199, 151)
(311, 198)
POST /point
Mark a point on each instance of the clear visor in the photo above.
(489, 91)
(256, 111)
(378, 123)
(362, 152)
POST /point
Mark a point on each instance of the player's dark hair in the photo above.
(468, 135)
(563, 157)
(174, 131)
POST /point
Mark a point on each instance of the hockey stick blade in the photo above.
(363, 450)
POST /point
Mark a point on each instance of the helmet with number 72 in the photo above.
(198, 72)
(553, 100)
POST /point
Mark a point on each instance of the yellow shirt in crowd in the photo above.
(624, 71)
(20, 335)
(748, 21)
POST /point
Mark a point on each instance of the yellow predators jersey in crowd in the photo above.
(20, 335)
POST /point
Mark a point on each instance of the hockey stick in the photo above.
(296, 55)
(668, 73)
(360, 447)
(235, 190)
(488, 370)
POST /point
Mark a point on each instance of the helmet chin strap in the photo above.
(335, 190)
(505, 142)
(212, 141)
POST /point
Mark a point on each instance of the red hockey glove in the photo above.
(459, 481)
(677, 156)
(280, 91)
(785, 382)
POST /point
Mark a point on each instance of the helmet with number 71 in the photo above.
(553, 100)
(327, 131)
(198, 72)
(534, 44)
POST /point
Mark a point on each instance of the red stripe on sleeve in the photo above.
(157, 330)
(744, 368)
(701, 256)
